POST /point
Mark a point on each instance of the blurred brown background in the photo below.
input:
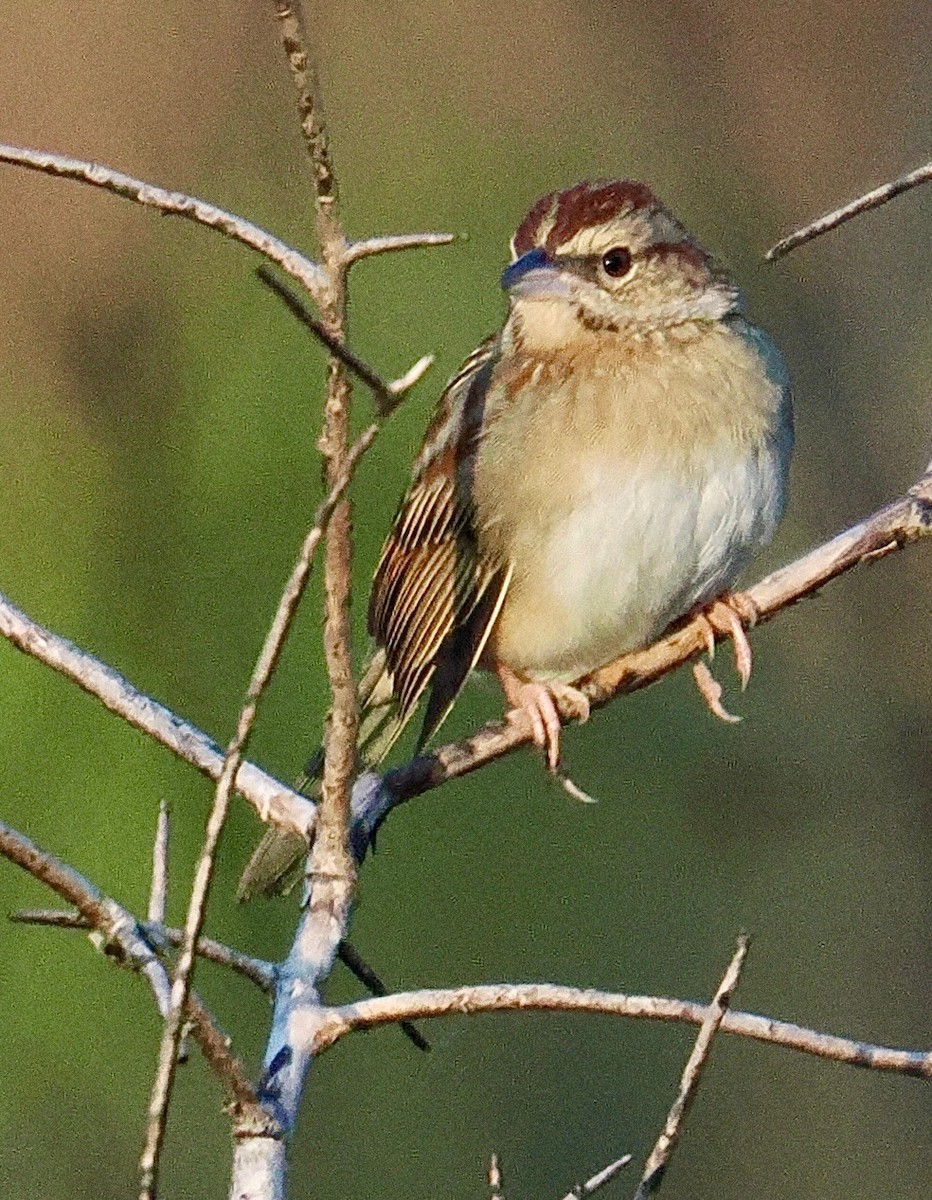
(157, 470)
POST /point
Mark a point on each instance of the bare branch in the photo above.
(600, 1179)
(659, 1157)
(350, 957)
(392, 242)
(291, 261)
(158, 891)
(100, 912)
(197, 905)
(865, 203)
(123, 933)
(256, 970)
(273, 800)
(896, 525)
(387, 395)
(304, 76)
(551, 997)
(331, 867)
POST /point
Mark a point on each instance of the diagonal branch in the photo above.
(891, 528)
(387, 395)
(273, 800)
(256, 970)
(659, 1157)
(291, 261)
(873, 199)
(599, 1179)
(98, 911)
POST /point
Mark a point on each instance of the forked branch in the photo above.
(128, 942)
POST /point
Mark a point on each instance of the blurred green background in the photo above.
(158, 469)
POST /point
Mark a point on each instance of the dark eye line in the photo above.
(592, 266)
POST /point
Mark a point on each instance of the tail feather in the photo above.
(276, 864)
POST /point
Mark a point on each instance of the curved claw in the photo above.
(729, 615)
(711, 691)
(539, 701)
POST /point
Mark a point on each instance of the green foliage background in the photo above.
(158, 413)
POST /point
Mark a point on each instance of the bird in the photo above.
(604, 465)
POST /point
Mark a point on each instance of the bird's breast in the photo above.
(625, 491)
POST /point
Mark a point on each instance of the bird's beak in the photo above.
(534, 274)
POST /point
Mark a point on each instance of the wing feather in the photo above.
(436, 593)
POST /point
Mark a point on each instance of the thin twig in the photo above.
(865, 203)
(307, 87)
(158, 890)
(495, 1179)
(256, 970)
(659, 1158)
(123, 933)
(390, 243)
(291, 261)
(387, 395)
(350, 957)
(599, 1179)
(551, 997)
(262, 674)
(101, 913)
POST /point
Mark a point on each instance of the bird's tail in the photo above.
(275, 866)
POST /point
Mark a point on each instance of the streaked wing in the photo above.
(435, 595)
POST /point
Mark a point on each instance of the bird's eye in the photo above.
(616, 262)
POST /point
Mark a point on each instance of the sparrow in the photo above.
(602, 466)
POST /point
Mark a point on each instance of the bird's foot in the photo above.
(727, 616)
(542, 702)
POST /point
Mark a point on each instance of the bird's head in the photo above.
(609, 258)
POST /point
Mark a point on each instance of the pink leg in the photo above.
(539, 701)
(728, 615)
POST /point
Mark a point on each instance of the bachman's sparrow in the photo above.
(603, 465)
